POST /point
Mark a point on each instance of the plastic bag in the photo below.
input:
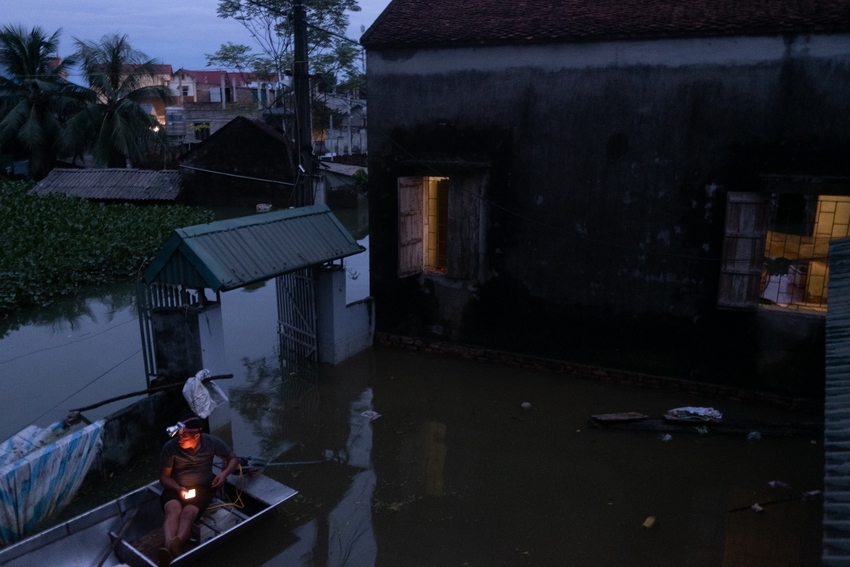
(202, 397)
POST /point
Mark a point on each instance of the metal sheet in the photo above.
(230, 254)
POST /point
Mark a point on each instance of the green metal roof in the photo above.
(232, 253)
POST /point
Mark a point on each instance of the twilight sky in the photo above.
(178, 32)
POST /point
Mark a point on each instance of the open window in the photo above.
(439, 225)
(776, 249)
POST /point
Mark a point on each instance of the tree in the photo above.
(114, 126)
(268, 23)
(334, 60)
(35, 97)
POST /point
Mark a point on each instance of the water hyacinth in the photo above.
(53, 245)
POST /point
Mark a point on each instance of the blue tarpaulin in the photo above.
(42, 481)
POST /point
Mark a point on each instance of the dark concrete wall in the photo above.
(606, 203)
(139, 429)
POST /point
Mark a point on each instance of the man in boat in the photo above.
(188, 481)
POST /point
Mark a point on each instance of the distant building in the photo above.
(207, 100)
(243, 164)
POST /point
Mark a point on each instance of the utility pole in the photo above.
(350, 152)
(301, 78)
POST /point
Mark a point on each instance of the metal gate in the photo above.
(296, 321)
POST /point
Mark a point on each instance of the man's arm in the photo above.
(232, 462)
(166, 481)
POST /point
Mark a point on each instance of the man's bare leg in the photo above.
(184, 530)
(173, 514)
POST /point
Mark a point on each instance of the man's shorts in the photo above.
(202, 499)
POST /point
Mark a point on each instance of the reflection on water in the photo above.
(73, 353)
(280, 406)
(352, 539)
(70, 312)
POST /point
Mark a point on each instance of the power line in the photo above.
(84, 387)
(81, 339)
(237, 176)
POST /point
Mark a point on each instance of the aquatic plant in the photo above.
(55, 245)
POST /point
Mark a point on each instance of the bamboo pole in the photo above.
(146, 391)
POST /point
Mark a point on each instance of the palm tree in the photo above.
(114, 126)
(35, 97)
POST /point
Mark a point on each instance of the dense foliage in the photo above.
(43, 116)
(35, 97)
(53, 245)
(114, 125)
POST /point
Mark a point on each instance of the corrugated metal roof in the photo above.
(112, 184)
(229, 254)
(341, 168)
(836, 482)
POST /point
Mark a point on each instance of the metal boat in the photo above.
(128, 530)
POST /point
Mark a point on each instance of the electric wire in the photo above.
(237, 503)
(85, 386)
(235, 175)
(79, 340)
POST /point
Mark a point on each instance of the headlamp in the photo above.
(173, 430)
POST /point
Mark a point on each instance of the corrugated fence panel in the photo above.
(836, 509)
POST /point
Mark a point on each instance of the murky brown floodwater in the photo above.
(454, 472)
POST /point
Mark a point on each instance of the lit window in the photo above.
(439, 220)
(776, 249)
(796, 268)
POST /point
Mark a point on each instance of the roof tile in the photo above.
(436, 23)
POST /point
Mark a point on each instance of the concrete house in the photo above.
(244, 164)
(204, 101)
(646, 185)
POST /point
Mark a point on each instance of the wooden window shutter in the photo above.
(742, 257)
(410, 202)
(464, 226)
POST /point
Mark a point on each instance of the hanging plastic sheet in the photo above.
(203, 397)
(28, 440)
(42, 483)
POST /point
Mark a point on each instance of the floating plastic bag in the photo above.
(203, 397)
(696, 414)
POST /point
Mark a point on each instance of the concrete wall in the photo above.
(139, 428)
(608, 166)
(342, 330)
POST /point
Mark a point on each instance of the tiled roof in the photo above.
(112, 184)
(441, 23)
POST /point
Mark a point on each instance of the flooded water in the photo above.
(453, 471)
